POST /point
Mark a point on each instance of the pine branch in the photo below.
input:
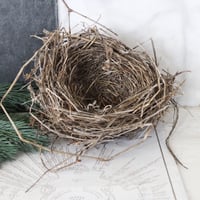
(17, 100)
(11, 145)
(16, 103)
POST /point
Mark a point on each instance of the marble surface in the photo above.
(142, 173)
(172, 24)
(186, 144)
(17, 176)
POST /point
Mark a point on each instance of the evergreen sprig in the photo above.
(18, 98)
(16, 104)
(11, 145)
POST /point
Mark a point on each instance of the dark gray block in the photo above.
(18, 20)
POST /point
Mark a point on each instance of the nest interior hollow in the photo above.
(90, 87)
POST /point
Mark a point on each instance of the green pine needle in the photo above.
(8, 151)
(18, 98)
(16, 103)
(11, 145)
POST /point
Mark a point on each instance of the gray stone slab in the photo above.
(18, 20)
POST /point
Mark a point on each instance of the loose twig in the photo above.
(84, 16)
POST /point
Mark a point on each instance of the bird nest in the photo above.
(91, 88)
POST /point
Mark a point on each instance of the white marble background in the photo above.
(174, 26)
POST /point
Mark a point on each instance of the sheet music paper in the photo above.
(139, 174)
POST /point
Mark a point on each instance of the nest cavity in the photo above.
(91, 88)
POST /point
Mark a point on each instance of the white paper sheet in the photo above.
(139, 174)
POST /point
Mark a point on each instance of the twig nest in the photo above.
(92, 88)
